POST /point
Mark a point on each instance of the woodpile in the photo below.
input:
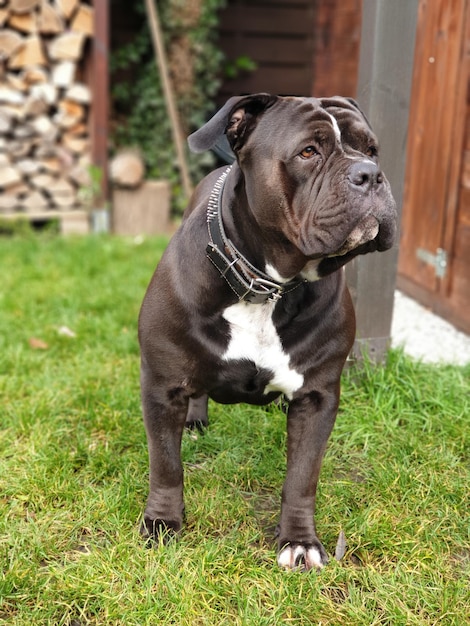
(44, 104)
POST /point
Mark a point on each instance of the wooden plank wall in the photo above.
(300, 47)
(337, 35)
(277, 36)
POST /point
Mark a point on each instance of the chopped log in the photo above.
(20, 189)
(51, 165)
(35, 105)
(45, 91)
(71, 110)
(63, 74)
(79, 93)
(7, 203)
(16, 82)
(64, 121)
(66, 158)
(24, 23)
(15, 111)
(23, 131)
(10, 43)
(5, 122)
(45, 149)
(42, 181)
(66, 7)
(83, 20)
(4, 13)
(49, 20)
(22, 6)
(34, 75)
(64, 202)
(127, 169)
(30, 54)
(79, 129)
(10, 96)
(80, 175)
(75, 145)
(4, 160)
(44, 127)
(61, 187)
(27, 167)
(85, 161)
(34, 201)
(9, 176)
(20, 148)
(67, 47)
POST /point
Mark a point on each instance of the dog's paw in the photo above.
(156, 531)
(200, 426)
(196, 417)
(302, 556)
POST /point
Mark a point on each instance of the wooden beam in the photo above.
(160, 57)
(100, 90)
(384, 86)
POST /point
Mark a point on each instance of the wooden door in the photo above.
(434, 261)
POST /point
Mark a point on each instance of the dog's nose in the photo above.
(364, 175)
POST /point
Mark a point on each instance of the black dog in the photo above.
(248, 302)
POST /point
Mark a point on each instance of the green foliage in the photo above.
(74, 473)
(195, 62)
(241, 64)
(90, 194)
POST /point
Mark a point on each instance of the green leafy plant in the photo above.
(195, 65)
(239, 65)
(90, 194)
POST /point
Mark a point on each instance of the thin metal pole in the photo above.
(168, 94)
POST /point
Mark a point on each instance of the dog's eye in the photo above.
(372, 151)
(308, 152)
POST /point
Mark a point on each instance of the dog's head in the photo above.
(311, 172)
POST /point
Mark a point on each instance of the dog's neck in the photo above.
(247, 281)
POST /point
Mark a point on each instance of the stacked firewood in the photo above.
(44, 104)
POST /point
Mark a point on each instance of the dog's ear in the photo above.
(236, 118)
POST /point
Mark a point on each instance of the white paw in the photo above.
(299, 556)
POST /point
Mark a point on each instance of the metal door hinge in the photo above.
(438, 260)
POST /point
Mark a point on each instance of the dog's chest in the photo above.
(253, 337)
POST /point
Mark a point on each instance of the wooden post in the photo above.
(384, 86)
(162, 64)
(100, 86)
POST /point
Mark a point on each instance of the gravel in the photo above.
(426, 336)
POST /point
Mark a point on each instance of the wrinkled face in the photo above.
(311, 169)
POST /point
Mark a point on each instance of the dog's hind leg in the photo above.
(196, 417)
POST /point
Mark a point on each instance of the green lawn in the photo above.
(73, 478)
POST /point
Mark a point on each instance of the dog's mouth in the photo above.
(368, 236)
(364, 233)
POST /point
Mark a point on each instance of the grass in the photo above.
(73, 477)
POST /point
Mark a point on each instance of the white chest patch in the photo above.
(254, 337)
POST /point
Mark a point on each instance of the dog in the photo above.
(249, 302)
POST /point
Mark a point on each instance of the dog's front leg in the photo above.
(164, 417)
(310, 420)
